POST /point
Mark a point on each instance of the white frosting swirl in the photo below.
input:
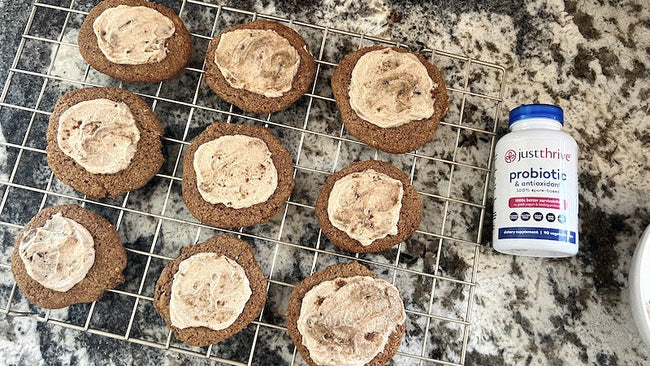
(390, 88)
(366, 205)
(59, 254)
(100, 135)
(347, 321)
(236, 170)
(133, 35)
(257, 60)
(209, 290)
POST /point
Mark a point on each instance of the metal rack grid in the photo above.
(475, 88)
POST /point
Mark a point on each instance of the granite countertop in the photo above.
(590, 57)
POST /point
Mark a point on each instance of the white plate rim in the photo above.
(640, 286)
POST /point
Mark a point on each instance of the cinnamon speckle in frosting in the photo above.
(59, 254)
(390, 88)
(347, 322)
(366, 205)
(235, 170)
(133, 35)
(260, 61)
(209, 290)
(101, 135)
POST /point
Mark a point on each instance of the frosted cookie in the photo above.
(389, 98)
(135, 41)
(369, 206)
(103, 141)
(236, 175)
(345, 315)
(67, 255)
(211, 291)
(260, 67)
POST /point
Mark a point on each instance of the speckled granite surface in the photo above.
(590, 57)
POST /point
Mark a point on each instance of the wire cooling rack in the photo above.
(435, 270)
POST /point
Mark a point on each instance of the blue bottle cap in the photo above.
(536, 111)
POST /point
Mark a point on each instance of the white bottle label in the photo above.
(536, 191)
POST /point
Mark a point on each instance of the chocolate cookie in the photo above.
(410, 213)
(219, 214)
(106, 270)
(232, 248)
(254, 102)
(143, 166)
(399, 139)
(179, 47)
(331, 273)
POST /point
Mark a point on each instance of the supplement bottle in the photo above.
(536, 185)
